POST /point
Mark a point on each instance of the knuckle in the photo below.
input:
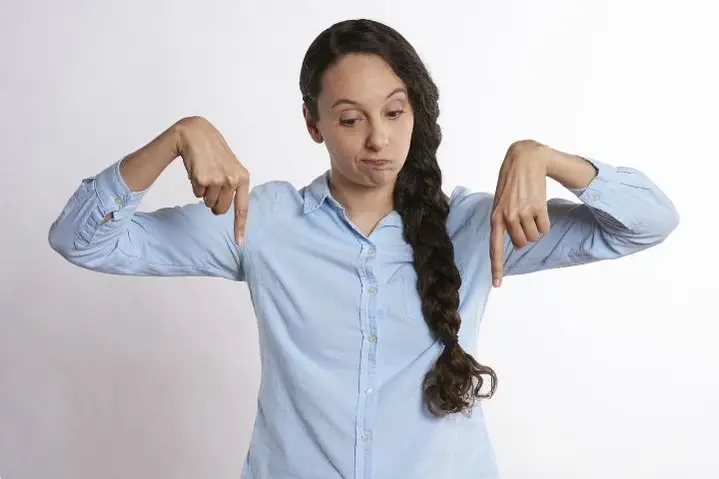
(203, 180)
(526, 211)
(511, 216)
(230, 179)
(237, 177)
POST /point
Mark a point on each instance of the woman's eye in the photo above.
(353, 121)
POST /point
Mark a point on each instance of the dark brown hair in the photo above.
(455, 381)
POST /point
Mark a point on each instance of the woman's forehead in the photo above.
(360, 78)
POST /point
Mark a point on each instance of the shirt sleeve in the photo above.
(186, 240)
(619, 213)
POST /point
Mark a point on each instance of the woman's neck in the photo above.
(364, 206)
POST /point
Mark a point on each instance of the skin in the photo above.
(364, 113)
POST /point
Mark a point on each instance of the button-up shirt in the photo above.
(344, 346)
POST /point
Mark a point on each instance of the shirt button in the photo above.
(365, 437)
(118, 201)
(372, 251)
(595, 197)
(372, 290)
(369, 390)
(372, 338)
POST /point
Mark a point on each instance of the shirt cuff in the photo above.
(113, 193)
(603, 194)
(606, 177)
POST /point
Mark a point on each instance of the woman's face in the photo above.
(365, 120)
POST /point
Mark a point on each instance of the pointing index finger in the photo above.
(242, 197)
(496, 252)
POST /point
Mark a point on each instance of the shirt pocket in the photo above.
(403, 287)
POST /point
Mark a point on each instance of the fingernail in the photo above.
(240, 240)
(497, 282)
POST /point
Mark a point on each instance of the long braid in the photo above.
(455, 381)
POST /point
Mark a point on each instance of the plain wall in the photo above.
(605, 370)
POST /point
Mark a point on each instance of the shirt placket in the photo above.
(368, 361)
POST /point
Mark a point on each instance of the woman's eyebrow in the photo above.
(347, 101)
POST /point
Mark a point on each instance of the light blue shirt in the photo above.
(343, 344)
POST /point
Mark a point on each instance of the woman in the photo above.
(369, 283)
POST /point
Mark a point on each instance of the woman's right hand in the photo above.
(214, 171)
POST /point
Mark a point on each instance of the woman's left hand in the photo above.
(520, 201)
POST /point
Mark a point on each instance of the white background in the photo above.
(605, 371)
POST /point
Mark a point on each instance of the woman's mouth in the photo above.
(377, 163)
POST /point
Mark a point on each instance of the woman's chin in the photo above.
(377, 174)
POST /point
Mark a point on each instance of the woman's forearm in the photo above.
(140, 169)
(571, 171)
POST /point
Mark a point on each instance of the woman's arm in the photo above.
(100, 229)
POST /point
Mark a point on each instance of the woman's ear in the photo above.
(311, 125)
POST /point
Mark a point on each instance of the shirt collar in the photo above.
(318, 191)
